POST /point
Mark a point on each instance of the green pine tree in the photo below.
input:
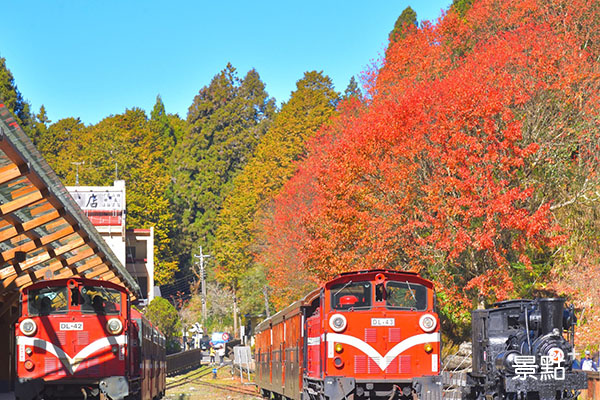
(225, 123)
(352, 90)
(407, 18)
(11, 97)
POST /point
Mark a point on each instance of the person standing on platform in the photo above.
(212, 355)
(588, 364)
(221, 353)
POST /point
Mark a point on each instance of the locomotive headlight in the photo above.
(28, 327)
(427, 322)
(339, 348)
(114, 326)
(428, 348)
(338, 322)
(29, 365)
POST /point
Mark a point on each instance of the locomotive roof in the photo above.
(413, 276)
(367, 271)
(295, 307)
(64, 281)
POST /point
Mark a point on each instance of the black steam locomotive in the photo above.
(520, 352)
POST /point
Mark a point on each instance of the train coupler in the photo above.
(115, 387)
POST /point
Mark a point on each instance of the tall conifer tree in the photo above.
(225, 123)
(11, 97)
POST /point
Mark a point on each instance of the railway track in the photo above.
(196, 378)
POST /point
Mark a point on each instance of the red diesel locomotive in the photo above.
(79, 338)
(363, 335)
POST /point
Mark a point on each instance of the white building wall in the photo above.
(105, 205)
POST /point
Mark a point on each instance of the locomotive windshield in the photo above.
(87, 299)
(406, 296)
(98, 300)
(351, 295)
(48, 300)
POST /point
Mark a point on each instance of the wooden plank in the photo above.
(9, 172)
(57, 235)
(39, 221)
(70, 246)
(81, 255)
(8, 281)
(41, 207)
(31, 261)
(23, 191)
(21, 202)
(106, 276)
(80, 270)
(8, 233)
(56, 224)
(97, 272)
(40, 274)
(9, 272)
(25, 247)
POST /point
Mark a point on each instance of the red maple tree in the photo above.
(446, 170)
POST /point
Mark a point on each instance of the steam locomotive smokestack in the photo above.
(552, 314)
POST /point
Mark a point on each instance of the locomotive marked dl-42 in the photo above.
(80, 339)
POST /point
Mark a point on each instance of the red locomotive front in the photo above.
(376, 336)
(72, 340)
(363, 335)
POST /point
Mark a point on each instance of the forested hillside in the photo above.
(470, 156)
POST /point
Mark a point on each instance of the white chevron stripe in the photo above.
(381, 361)
(71, 364)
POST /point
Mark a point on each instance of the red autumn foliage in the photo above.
(439, 173)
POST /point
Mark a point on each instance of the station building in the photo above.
(106, 207)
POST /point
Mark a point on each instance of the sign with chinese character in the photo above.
(550, 367)
(105, 200)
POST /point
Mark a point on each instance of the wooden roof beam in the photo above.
(97, 272)
(8, 272)
(22, 201)
(80, 270)
(108, 275)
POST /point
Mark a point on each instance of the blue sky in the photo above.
(92, 58)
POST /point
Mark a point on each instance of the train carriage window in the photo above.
(100, 300)
(406, 296)
(48, 300)
(355, 295)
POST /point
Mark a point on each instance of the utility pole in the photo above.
(202, 256)
(266, 293)
(77, 163)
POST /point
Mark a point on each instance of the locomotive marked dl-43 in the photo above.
(363, 335)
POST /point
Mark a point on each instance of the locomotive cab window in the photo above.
(406, 296)
(100, 300)
(353, 295)
(47, 301)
